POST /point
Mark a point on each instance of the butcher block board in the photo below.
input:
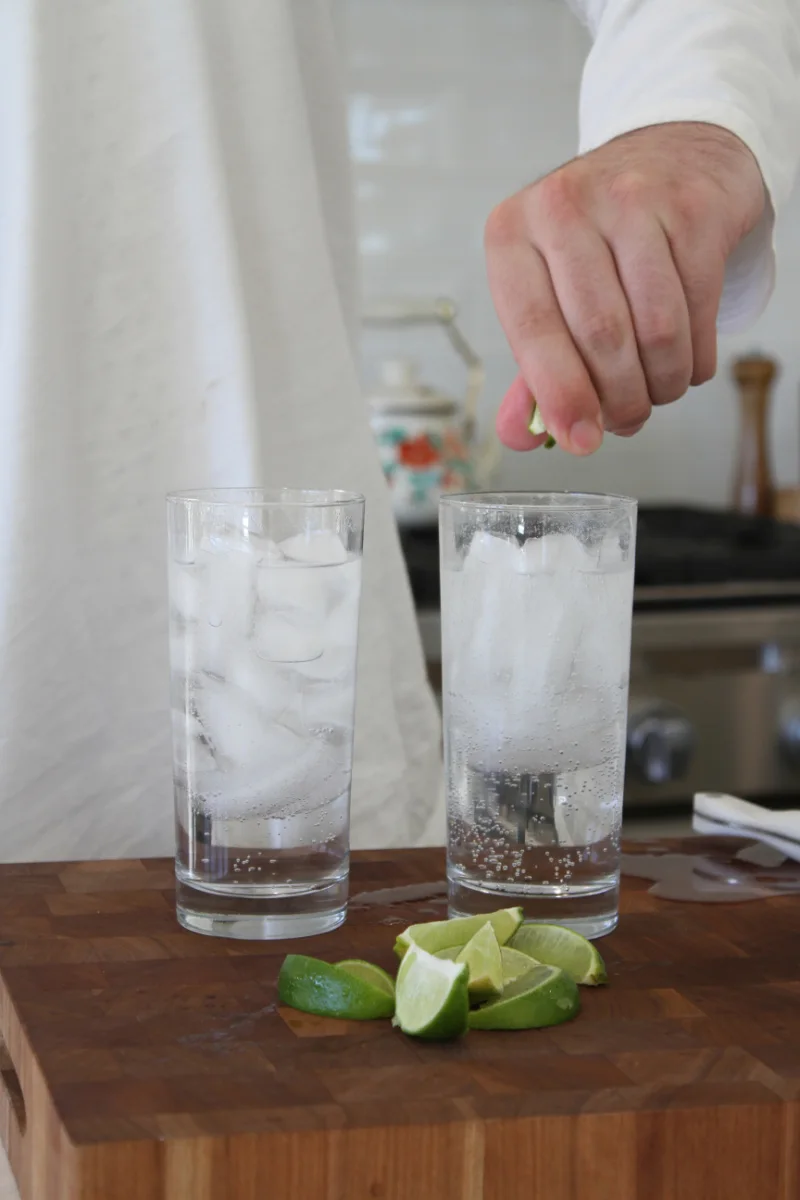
(146, 1063)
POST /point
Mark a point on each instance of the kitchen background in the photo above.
(455, 104)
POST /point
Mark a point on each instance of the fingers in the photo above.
(540, 340)
(700, 265)
(598, 315)
(513, 418)
(658, 305)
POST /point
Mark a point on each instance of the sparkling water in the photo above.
(263, 652)
(536, 658)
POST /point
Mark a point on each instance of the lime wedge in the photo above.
(439, 935)
(317, 987)
(545, 996)
(376, 976)
(452, 952)
(482, 956)
(538, 427)
(563, 948)
(514, 964)
(432, 996)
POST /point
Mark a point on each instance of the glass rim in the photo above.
(255, 497)
(545, 501)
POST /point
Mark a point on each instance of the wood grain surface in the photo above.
(142, 1062)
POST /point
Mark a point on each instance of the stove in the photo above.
(715, 656)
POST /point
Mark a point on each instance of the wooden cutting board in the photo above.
(146, 1063)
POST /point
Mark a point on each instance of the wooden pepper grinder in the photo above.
(754, 491)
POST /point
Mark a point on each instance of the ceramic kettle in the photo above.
(426, 439)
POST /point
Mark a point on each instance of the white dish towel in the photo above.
(731, 817)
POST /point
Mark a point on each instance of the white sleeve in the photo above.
(733, 63)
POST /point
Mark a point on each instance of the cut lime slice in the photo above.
(514, 963)
(376, 976)
(439, 935)
(451, 953)
(432, 996)
(545, 996)
(482, 956)
(538, 427)
(317, 987)
(561, 947)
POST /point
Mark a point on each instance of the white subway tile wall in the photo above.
(455, 104)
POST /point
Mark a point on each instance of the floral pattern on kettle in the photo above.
(430, 463)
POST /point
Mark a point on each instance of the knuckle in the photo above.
(604, 335)
(629, 189)
(502, 226)
(556, 197)
(630, 420)
(659, 331)
(692, 201)
(670, 384)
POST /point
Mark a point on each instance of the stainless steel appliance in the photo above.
(715, 666)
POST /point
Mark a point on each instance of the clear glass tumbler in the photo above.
(264, 595)
(537, 598)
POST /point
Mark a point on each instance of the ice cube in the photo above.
(342, 584)
(325, 704)
(280, 638)
(228, 596)
(231, 722)
(191, 751)
(320, 547)
(185, 591)
(272, 689)
(292, 589)
(341, 627)
(493, 550)
(611, 556)
(335, 664)
(209, 649)
(295, 775)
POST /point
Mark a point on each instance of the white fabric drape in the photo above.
(176, 310)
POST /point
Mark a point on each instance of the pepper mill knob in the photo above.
(754, 490)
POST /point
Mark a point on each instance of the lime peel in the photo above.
(318, 987)
(545, 996)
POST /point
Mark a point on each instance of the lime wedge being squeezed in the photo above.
(537, 427)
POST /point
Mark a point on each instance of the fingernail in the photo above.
(585, 436)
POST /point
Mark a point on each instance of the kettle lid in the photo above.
(399, 391)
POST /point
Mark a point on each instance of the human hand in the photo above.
(607, 276)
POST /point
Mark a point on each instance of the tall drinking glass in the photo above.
(264, 593)
(537, 593)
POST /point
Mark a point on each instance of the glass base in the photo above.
(261, 917)
(590, 911)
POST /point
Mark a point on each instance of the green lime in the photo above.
(376, 976)
(538, 427)
(561, 947)
(514, 964)
(318, 987)
(439, 935)
(482, 957)
(545, 996)
(432, 996)
(449, 952)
